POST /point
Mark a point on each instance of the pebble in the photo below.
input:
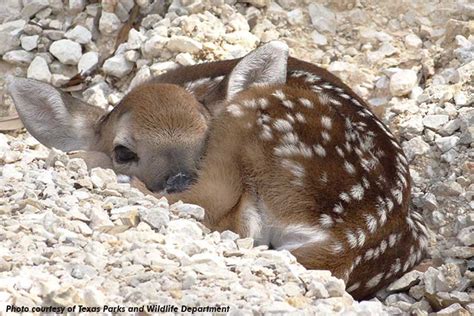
(435, 121)
(79, 34)
(29, 43)
(155, 217)
(446, 143)
(18, 57)
(39, 70)
(403, 82)
(413, 41)
(323, 19)
(66, 51)
(466, 236)
(117, 66)
(10, 35)
(184, 44)
(87, 62)
(109, 23)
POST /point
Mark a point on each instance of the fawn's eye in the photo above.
(124, 155)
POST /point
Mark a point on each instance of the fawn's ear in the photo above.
(53, 117)
(265, 65)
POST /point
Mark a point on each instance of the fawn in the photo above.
(272, 147)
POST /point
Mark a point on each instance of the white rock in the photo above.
(185, 228)
(460, 98)
(79, 34)
(239, 23)
(435, 121)
(29, 43)
(323, 19)
(183, 44)
(135, 39)
(415, 147)
(192, 210)
(466, 236)
(18, 57)
(31, 7)
(413, 41)
(319, 39)
(39, 70)
(109, 23)
(245, 39)
(257, 3)
(446, 143)
(101, 177)
(296, 16)
(185, 59)
(9, 171)
(117, 66)
(154, 46)
(66, 51)
(402, 82)
(76, 6)
(10, 35)
(88, 61)
(142, 76)
(155, 217)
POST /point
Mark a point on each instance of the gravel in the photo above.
(72, 236)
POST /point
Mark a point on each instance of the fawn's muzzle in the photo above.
(178, 182)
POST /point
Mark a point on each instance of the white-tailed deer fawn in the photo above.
(272, 147)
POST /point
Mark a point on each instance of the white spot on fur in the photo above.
(338, 208)
(371, 223)
(306, 103)
(326, 137)
(266, 133)
(345, 197)
(319, 150)
(263, 103)
(287, 103)
(235, 110)
(357, 192)
(326, 221)
(351, 239)
(294, 167)
(282, 125)
(349, 167)
(337, 247)
(294, 236)
(290, 138)
(279, 95)
(392, 239)
(373, 282)
(398, 195)
(324, 177)
(250, 104)
(326, 122)
(324, 98)
(353, 287)
(360, 237)
(345, 96)
(300, 118)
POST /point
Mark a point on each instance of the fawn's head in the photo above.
(157, 133)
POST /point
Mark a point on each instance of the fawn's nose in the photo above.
(178, 182)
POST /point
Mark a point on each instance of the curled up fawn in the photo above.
(272, 147)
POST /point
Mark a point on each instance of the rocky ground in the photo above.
(69, 236)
